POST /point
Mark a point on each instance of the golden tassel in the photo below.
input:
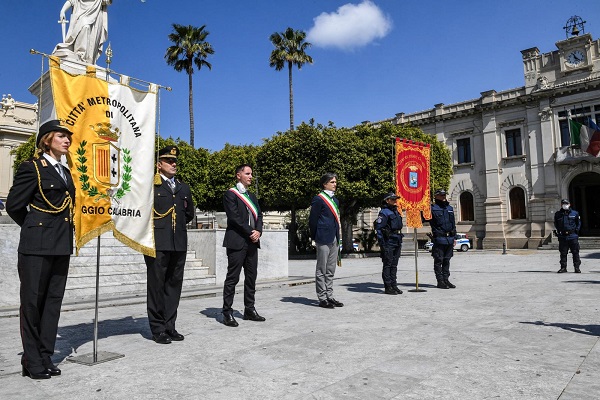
(157, 179)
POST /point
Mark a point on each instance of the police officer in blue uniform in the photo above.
(443, 230)
(388, 227)
(567, 223)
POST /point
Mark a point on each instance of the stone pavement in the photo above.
(512, 329)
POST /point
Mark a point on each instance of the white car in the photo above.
(462, 243)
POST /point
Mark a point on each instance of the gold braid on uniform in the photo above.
(67, 202)
(171, 210)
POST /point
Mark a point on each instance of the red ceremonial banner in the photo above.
(412, 180)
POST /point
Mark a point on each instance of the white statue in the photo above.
(8, 105)
(88, 30)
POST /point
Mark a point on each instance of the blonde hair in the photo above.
(44, 143)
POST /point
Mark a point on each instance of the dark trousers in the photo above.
(390, 256)
(564, 246)
(442, 253)
(246, 258)
(43, 281)
(165, 279)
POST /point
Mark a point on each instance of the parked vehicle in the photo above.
(462, 243)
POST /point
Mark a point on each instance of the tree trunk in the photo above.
(348, 214)
(293, 232)
(191, 105)
(291, 97)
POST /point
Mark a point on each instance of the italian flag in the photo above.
(111, 157)
(587, 136)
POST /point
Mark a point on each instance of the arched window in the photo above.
(517, 203)
(467, 211)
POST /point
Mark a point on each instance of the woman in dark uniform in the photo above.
(41, 202)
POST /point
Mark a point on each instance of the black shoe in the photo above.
(252, 315)
(35, 375)
(449, 284)
(442, 285)
(336, 303)
(229, 320)
(390, 290)
(326, 304)
(174, 335)
(397, 289)
(53, 370)
(162, 338)
(562, 270)
(577, 270)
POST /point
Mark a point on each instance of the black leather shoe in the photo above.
(390, 290)
(335, 302)
(397, 289)
(442, 285)
(229, 320)
(162, 338)
(252, 315)
(449, 284)
(53, 370)
(562, 270)
(577, 270)
(175, 336)
(35, 375)
(326, 304)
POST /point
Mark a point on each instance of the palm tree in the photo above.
(289, 48)
(190, 48)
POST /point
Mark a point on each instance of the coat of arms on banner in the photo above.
(111, 178)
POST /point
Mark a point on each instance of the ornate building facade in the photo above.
(512, 150)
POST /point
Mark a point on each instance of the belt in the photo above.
(564, 233)
(446, 234)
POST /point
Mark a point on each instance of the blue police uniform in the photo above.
(388, 227)
(567, 224)
(443, 229)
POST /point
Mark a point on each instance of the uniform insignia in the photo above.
(44, 163)
(378, 220)
(174, 151)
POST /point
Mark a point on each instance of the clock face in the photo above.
(575, 58)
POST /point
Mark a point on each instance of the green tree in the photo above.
(190, 48)
(24, 152)
(290, 50)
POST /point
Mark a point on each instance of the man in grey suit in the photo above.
(324, 225)
(242, 240)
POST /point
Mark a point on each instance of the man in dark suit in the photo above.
(173, 209)
(324, 225)
(242, 240)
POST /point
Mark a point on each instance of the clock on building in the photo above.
(575, 58)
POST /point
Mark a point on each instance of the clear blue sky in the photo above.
(399, 56)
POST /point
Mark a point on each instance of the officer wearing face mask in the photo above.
(567, 224)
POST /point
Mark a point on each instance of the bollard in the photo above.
(504, 247)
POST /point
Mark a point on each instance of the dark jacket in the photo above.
(238, 228)
(567, 224)
(165, 238)
(44, 231)
(323, 225)
(388, 225)
(443, 226)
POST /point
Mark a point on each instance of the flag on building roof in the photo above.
(586, 135)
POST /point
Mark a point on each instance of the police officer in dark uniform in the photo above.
(443, 230)
(388, 227)
(567, 223)
(41, 202)
(173, 209)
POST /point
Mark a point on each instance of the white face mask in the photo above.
(565, 206)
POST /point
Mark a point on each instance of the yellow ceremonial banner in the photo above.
(412, 180)
(111, 155)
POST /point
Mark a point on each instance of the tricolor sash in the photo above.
(247, 201)
(333, 207)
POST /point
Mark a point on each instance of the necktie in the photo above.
(172, 184)
(61, 171)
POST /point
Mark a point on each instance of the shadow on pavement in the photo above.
(593, 330)
(72, 337)
(591, 255)
(301, 300)
(538, 271)
(587, 282)
(365, 287)
(217, 313)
